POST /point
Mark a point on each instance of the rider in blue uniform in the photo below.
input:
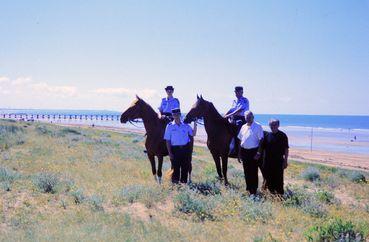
(239, 107)
(168, 104)
(237, 116)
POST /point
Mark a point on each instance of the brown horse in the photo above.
(220, 133)
(155, 128)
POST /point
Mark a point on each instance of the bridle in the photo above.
(132, 121)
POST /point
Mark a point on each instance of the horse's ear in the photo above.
(201, 97)
(138, 98)
(198, 97)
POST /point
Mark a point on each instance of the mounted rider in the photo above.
(237, 116)
(239, 107)
(168, 104)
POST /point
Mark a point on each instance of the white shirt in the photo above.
(178, 134)
(250, 136)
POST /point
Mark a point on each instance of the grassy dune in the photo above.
(67, 184)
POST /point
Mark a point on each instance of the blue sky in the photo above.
(307, 57)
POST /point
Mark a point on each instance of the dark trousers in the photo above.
(180, 163)
(273, 171)
(238, 121)
(250, 169)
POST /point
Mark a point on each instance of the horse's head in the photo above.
(134, 111)
(198, 110)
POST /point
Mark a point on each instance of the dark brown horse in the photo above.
(220, 133)
(155, 128)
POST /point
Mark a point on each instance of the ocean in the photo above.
(349, 134)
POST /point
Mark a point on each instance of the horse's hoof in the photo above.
(226, 183)
(159, 180)
(156, 178)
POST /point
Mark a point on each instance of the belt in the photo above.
(250, 149)
(180, 146)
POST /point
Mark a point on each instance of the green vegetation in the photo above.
(311, 174)
(78, 184)
(46, 182)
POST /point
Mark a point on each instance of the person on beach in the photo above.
(179, 137)
(237, 116)
(250, 136)
(275, 147)
(168, 103)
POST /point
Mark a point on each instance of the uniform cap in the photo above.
(169, 88)
(238, 88)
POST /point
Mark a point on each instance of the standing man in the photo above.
(250, 135)
(168, 103)
(237, 116)
(179, 136)
(275, 147)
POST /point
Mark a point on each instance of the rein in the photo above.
(135, 121)
(198, 122)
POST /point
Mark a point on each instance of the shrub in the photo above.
(10, 135)
(190, 202)
(256, 210)
(305, 201)
(331, 182)
(335, 230)
(6, 186)
(311, 174)
(96, 202)
(205, 188)
(78, 196)
(357, 177)
(46, 182)
(7, 177)
(140, 193)
(326, 197)
(43, 130)
(66, 131)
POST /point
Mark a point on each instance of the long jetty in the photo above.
(33, 117)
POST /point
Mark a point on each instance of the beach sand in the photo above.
(336, 159)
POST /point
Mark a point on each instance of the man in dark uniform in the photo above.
(275, 148)
(179, 136)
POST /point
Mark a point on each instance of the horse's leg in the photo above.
(160, 165)
(224, 168)
(152, 162)
(217, 165)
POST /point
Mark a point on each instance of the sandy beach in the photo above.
(336, 159)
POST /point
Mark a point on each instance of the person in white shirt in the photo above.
(179, 137)
(250, 135)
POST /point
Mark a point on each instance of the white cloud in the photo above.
(125, 92)
(27, 88)
(25, 92)
(50, 90)
(21, 81)
(4, 79)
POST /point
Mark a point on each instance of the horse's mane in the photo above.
(219, 118)
(150, 111)
(214, 112)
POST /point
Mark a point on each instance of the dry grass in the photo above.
(119, 199)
